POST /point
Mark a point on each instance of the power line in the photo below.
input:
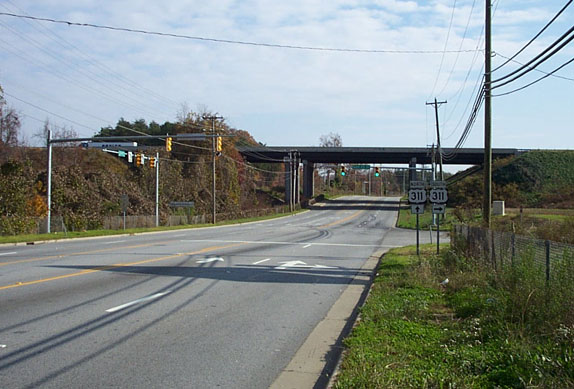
(535, 36)
(538, 70)
(545, 55)
(229, 41)
(534, 82)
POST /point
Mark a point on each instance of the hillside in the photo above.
(539, 179)
(88, 184)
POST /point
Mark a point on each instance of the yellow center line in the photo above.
(109, 267)
(342, 220)
(79, 253)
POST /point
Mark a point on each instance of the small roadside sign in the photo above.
(124, 202)
(417, 209)
(417, 196)
(438, 209)
(359, 167)
(417, 185)
(438, 184)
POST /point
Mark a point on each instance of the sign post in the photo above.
(125, 201)
(438, 198)
(417, 199)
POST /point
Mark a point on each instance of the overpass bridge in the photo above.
(292, 156)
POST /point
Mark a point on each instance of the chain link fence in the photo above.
(500, 250)
(58, 224)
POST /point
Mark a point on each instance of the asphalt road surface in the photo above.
(200, 308)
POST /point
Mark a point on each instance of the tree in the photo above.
(57, 133)
(9, 123)
(331, 140)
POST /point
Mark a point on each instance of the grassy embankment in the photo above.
(131, 231)
(477, 331)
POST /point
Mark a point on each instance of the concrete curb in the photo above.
(320, 354)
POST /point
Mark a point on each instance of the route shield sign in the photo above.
(438, 195)
(417, 209)
(417, 196)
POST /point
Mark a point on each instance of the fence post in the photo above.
(493, 249)
(513, 248)
(547, 246)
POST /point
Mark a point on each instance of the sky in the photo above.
(392, 58)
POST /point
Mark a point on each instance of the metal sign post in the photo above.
(417, 199)
(438, 198)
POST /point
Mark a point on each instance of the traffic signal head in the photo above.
(168, 141)
(219, 144)
(152, 162)
(139, 159)
(377, 172)
(343, 172)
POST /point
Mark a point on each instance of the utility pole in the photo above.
(213, 118)
(49, 186)
(436, 105)
(487, 200)
(157, 189)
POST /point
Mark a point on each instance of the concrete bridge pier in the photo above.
(308, 179)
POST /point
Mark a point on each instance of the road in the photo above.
(204, 308)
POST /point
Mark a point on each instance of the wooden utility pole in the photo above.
(436, 105)
(487, 200)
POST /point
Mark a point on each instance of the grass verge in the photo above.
(471, 333)
(408, 220)
(97, 233)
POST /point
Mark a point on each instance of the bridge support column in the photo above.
(413, 169)
(308, 179)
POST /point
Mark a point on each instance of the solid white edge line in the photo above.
(307, 245)
(143, 299)
(13, 252)
(263, 260)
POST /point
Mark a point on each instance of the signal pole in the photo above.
(213, 118)
(487, 200)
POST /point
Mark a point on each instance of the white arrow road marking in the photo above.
(301, 264)
(143, 299)
(208, 260)
(13, 252)
(263, 260)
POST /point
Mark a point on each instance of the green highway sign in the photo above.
(361, 167)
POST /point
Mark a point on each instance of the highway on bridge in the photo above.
(211, 307)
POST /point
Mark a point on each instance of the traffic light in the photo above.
(219, 144)
(152, 162)
(343, 172)
(139, 159)
(377, 172)
(168, 143)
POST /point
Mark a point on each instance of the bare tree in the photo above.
(331, 140)
(57, 133)
(9, 124)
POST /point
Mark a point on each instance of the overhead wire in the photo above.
(539, 59)
(536, 81)
(568, 3)
(444, 50)
(66, 44)
(227, 41)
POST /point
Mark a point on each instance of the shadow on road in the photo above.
(299, 274)
(354, 204)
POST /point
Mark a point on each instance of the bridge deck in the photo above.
(394, 155)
